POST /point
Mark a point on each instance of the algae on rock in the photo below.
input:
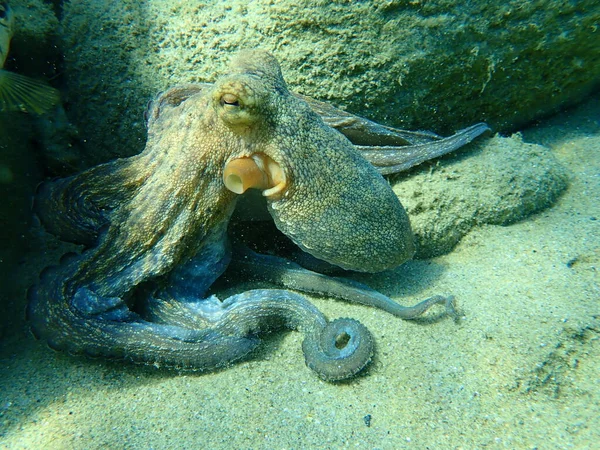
(33, 44)
(438, 65)
(499, 182)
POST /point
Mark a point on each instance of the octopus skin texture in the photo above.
(154, 227)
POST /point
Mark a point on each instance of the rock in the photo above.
(438, 65)
(494, 181)
(19, 176)
(33, 49)
(33, 52)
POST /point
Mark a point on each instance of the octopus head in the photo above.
(245, 99)
(320, 191)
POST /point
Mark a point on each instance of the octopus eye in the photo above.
(235, 102)
(230, 101)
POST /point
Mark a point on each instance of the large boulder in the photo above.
(33, 49)
(438, 65)
(496, 181)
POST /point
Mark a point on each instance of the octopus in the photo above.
(154, 228)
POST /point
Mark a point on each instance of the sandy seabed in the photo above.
(520, 369)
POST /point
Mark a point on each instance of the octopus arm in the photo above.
(86, 323)
(361, 131)
(98, 326)
(172, 97)
(76, 208)
(391, 159)
(282, 272)
(391, 150)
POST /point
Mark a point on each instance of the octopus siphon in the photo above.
(154, 228)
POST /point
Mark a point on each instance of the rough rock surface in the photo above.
(32, 49)
(496, 181)
(437, 65)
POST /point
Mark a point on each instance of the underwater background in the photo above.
(508, 225)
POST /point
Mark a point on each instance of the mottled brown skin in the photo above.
(155, 231)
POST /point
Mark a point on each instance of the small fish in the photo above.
(18, 92)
